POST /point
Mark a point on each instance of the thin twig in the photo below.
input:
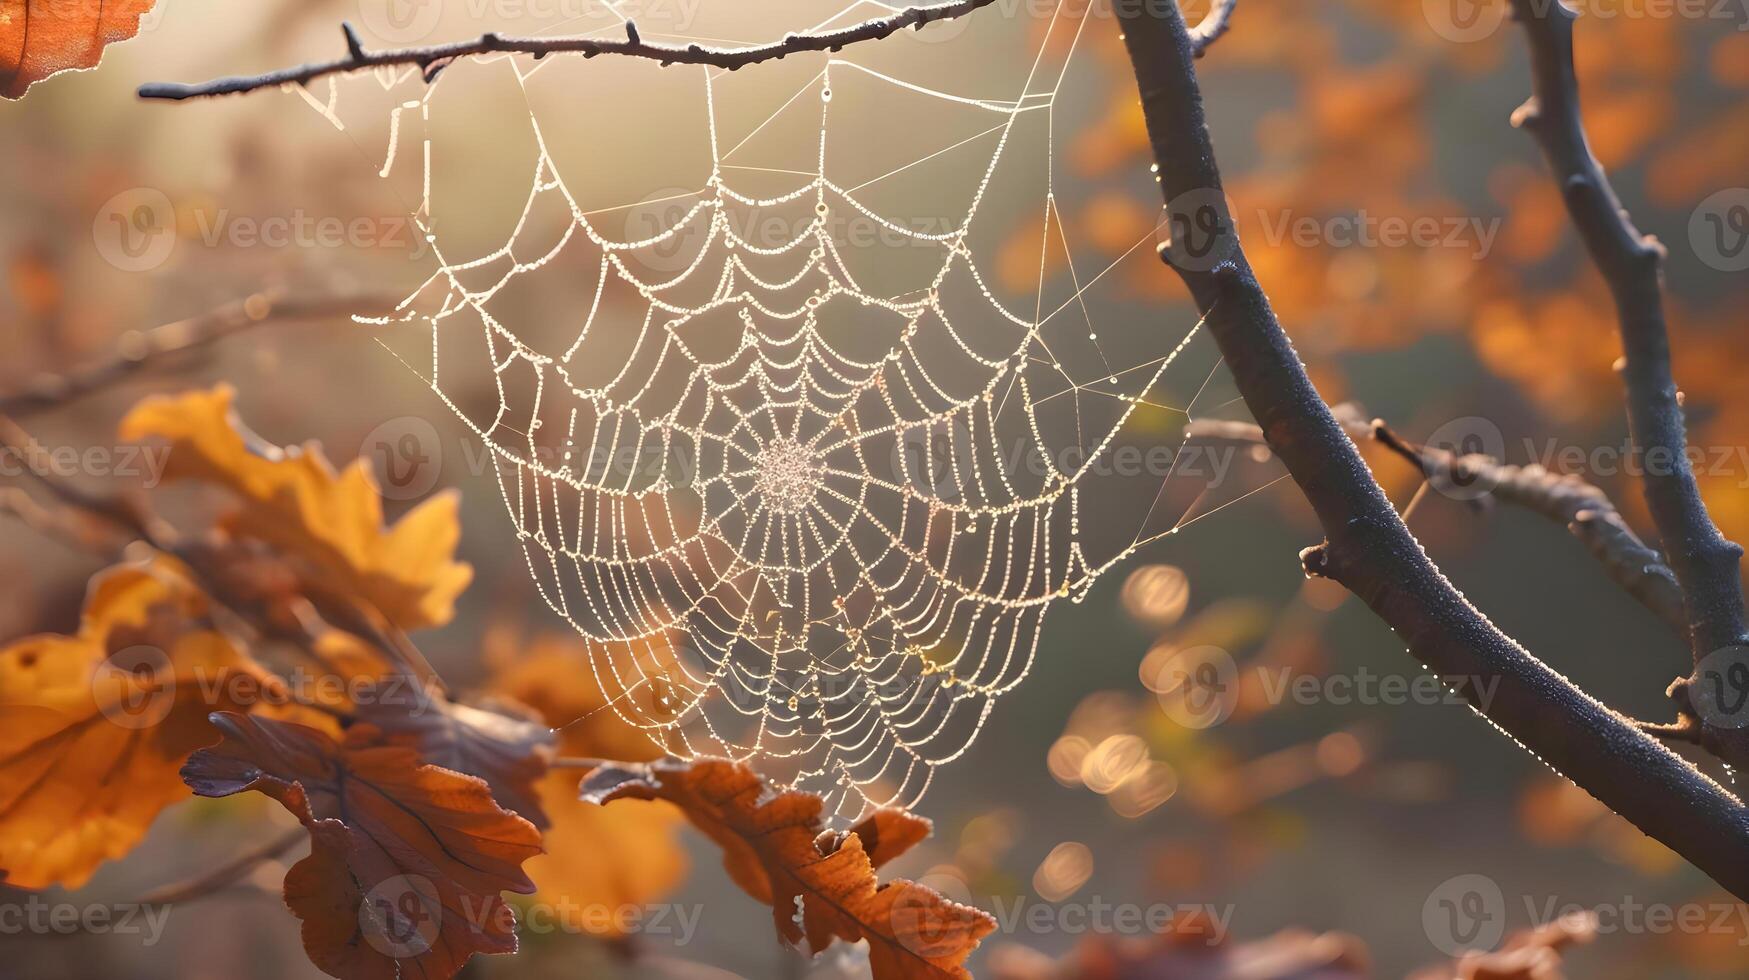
(225, 875)
(1368, 548)
(434, 57)
(1582, 508)
(140, 351)
(573, 762)
(1705, 562)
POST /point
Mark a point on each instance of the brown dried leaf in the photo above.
(407, 861)
(776, 848)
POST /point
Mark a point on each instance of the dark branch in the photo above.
(1705, 563)
(433, 58)
(1368, 548)
(1584, 509)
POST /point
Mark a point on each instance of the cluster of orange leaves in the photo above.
(421, 811)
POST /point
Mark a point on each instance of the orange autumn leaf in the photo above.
(602, 860)
(39, 38)
(776, 848)
(93, 726)
(407, 863)
(598, 859)
(332, 522)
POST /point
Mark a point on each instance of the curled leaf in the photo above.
(407, 862)
(775, 847)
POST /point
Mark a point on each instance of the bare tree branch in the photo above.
(1705, 562)
(429, 59)
(1584, 509)
(140, 351)
(1368, 548)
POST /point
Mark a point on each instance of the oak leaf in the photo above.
(407, 861)
(93, 726)
(39, 38)
(821, 886)
(332, 522)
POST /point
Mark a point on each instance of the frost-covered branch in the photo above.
(1705, 562)
(433, 58)
(1581, 507)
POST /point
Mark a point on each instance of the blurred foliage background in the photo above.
(1325, 815)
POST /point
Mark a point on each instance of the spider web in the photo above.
(802, 472)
